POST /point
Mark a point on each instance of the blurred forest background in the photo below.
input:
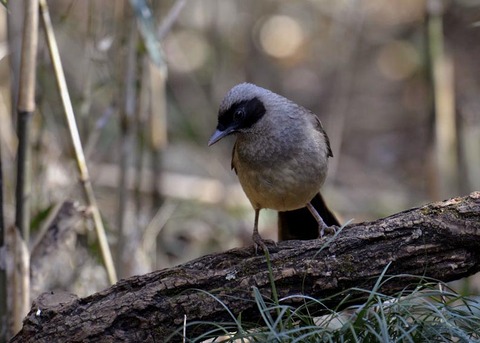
(395, 83)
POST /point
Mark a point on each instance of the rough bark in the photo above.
(440, 240)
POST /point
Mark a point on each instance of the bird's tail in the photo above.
(300, 224)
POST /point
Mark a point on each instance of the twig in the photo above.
(170, 19)
(154, 228)
(77, 145)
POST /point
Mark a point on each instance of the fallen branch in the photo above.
(440, 240)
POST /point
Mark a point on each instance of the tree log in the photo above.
(440, 240)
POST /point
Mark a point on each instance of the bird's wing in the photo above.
(232, 164)
(319, 127)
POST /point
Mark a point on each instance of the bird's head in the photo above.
(242, 107)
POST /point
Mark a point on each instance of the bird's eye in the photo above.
(238, 115)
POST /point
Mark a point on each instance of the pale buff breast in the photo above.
(284, 182)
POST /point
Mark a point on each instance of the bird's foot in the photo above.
(329, 230)
(258, 241)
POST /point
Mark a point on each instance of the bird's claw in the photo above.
(258, 241)
(329, 230)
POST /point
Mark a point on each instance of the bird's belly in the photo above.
(281, 188)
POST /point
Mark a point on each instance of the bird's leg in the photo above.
(257, 239)
(322, 227)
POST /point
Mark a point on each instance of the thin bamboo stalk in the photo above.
(127, 146)
(2, 220)
(18, 275)
(3, 266)
(19, 292)
(158, 126)
(87, 86)
(141, 127)
(444, 103)
(77, 145)
(23, 187)
(25, 109)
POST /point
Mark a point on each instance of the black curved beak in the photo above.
(218, 134)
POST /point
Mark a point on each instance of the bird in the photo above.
(280, 156)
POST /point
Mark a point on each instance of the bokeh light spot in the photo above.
(281, 36)
(186, 51)
(398, 60)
